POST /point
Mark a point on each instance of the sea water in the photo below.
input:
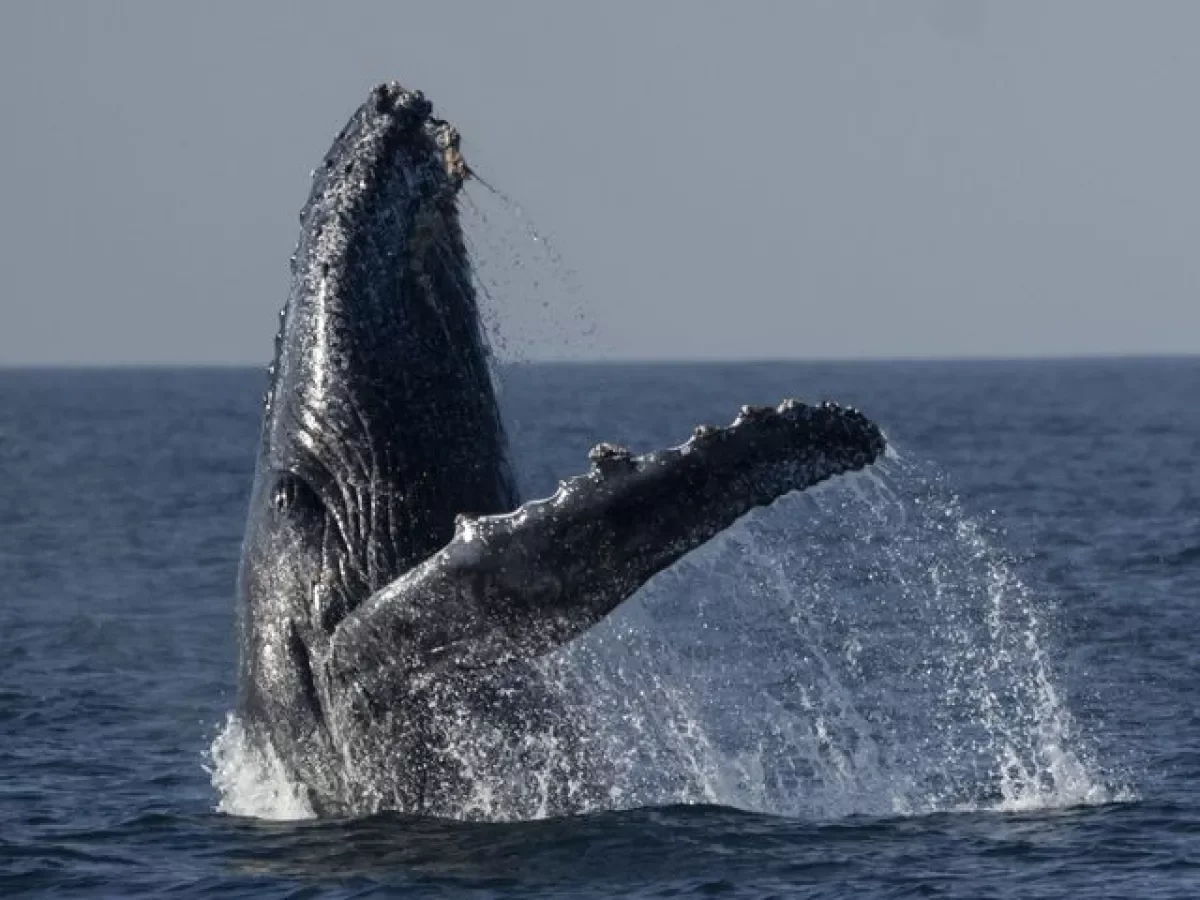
(968, 672)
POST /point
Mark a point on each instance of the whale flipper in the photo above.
(518, 585)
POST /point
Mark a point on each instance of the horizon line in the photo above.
(55, 365)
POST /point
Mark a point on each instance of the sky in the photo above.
(931, 178)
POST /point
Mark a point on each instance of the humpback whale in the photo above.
(390, 579)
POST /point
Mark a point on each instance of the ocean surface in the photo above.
(972, 672)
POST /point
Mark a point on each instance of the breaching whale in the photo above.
(388, 574)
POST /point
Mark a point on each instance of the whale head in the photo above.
(380, 421)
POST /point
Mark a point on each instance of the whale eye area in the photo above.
(294, 497)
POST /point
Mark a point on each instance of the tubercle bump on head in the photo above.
(608, 459)
(412, 109)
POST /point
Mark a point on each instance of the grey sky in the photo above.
(752, 179)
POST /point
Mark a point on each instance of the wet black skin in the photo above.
(388, 576)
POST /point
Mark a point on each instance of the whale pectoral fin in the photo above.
(520, 584)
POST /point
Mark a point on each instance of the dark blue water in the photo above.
(973, 674)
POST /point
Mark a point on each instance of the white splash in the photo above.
(252, 782)
(862, 648)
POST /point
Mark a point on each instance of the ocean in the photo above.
(970, 672)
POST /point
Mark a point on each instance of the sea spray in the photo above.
(250, 779)
(864, 648)
(531, 301)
